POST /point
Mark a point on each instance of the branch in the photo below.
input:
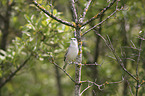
(52, 61)
(143, 82)
(88, 64)
(118, 59)
(139, 53)
(74, 11)
(14, 73)
(99, 86)
(138, 60)
(99, 14)
(85, 11)
(99, 23)
(52, 16)
(129, 88)
(86, 89)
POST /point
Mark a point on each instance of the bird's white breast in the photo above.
(72, 53)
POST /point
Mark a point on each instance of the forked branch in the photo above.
(118, 59)
(99, 85)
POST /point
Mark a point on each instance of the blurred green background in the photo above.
(28, 33)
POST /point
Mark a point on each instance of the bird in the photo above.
(71, 52)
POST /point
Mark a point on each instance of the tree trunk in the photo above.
(5, 33)
(5, 30)
(78, 66)
(6, 20)
(124, 43)
(58, 79)
(94, 75)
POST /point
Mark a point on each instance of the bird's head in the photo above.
(74, 41)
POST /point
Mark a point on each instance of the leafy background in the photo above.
(33, 33)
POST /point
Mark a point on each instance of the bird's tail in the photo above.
(64, 67)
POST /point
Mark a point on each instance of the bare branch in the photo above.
(85, 11)
(88, 64)
(52, 61)
(51, 15)
(14, 73)
(134, 47)
(130, 88)
(86, 89)
(74, 11)
(118, 59)
(91, 64)
(138, 60)
(99, 14)
(101, 85)
(99, 23)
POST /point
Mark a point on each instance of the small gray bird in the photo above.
(72, 52)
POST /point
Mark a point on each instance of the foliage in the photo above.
(41, 37)
(35, 34)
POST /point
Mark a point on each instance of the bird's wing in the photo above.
(65, 54)
(65, 64)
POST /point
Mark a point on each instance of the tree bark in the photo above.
(94, 68)
(78, 66)
(5, 30)
(6, 20)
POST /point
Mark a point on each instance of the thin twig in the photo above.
(86, 89)
(138, 60)
(74, 11)
(85, 10)
(52, 61)
(143, 82)
(99, 23)
(52, 16)
(118, 59)
(91, 64)
(94, 93)
(129, 88)
(99, 86)
(99, 14)
(134, 47)
(88, 64)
